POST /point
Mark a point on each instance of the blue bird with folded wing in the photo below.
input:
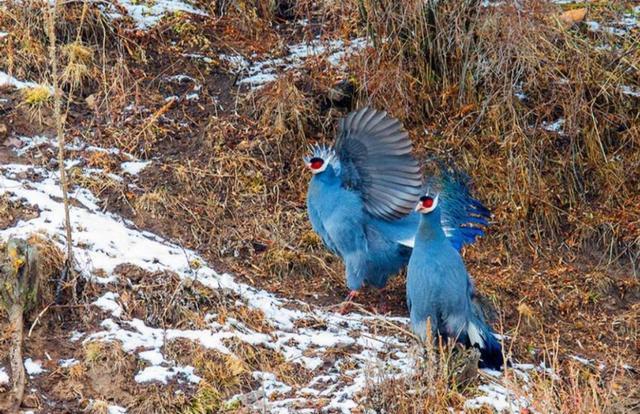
(439, 290)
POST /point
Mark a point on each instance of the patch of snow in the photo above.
(113, 151)
(3, 34)
(491, 3)
(192, 97)
(33, 367)
(29, 143)
(270, 384)
(236, 62)
(107, 303)
(154, 357)
(4, 377)
(68, 363)
(555, 126)
(116, 409)
(147, 13)
(181, 78)
(204, 58)
(620, 27)
(499, 398)
(7, 80)
(76, 336)
(156, 373)
(630, 91)
(134, 167)
(328, 339)
(518, 92)
(262, 72)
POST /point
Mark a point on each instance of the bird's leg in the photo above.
(346, 306)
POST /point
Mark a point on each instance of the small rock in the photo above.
(4, 131)
(91, 101)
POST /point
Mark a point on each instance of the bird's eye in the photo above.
(316, 163)
(427, 201)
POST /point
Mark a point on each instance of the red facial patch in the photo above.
(427, 202)
(316, 163)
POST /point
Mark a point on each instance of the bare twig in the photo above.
(57, 110)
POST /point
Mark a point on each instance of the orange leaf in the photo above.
(574, 16)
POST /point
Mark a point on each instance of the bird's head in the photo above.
(319, 158)
(427, 204)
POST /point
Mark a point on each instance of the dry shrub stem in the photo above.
(57, 111)
(18, 378)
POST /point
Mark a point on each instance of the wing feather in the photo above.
(375, 154)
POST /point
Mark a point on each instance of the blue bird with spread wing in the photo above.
(362, 193)
(439, 290)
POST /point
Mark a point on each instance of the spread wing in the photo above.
(375, 159)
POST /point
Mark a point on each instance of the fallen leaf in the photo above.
(573, 16)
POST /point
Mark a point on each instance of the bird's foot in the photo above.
(346, 306)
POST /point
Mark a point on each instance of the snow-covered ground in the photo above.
(8, 80)
(105, 240)
(261, 72)
(147, 13)
(4, 378)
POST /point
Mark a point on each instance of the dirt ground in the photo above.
(227, 180)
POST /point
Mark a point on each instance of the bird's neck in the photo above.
(327, 177)
(430, 227)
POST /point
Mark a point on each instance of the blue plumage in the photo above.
(337, 215)
(439, 290)
(361, 198)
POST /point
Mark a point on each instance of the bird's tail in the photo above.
(464, 218)
(481, 336)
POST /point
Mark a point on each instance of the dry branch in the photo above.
(19, 278)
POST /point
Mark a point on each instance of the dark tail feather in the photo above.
(490, 349)
(464, 216)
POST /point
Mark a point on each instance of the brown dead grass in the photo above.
(231, 184)
(457, 76)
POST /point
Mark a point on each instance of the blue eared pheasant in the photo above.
(361, 196)
(439, 290)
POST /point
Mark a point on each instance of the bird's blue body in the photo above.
(337, 214)
(361, 198)
(439, 290)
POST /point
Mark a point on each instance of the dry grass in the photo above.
(440, 382)
(457, 76)
(231, 183)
